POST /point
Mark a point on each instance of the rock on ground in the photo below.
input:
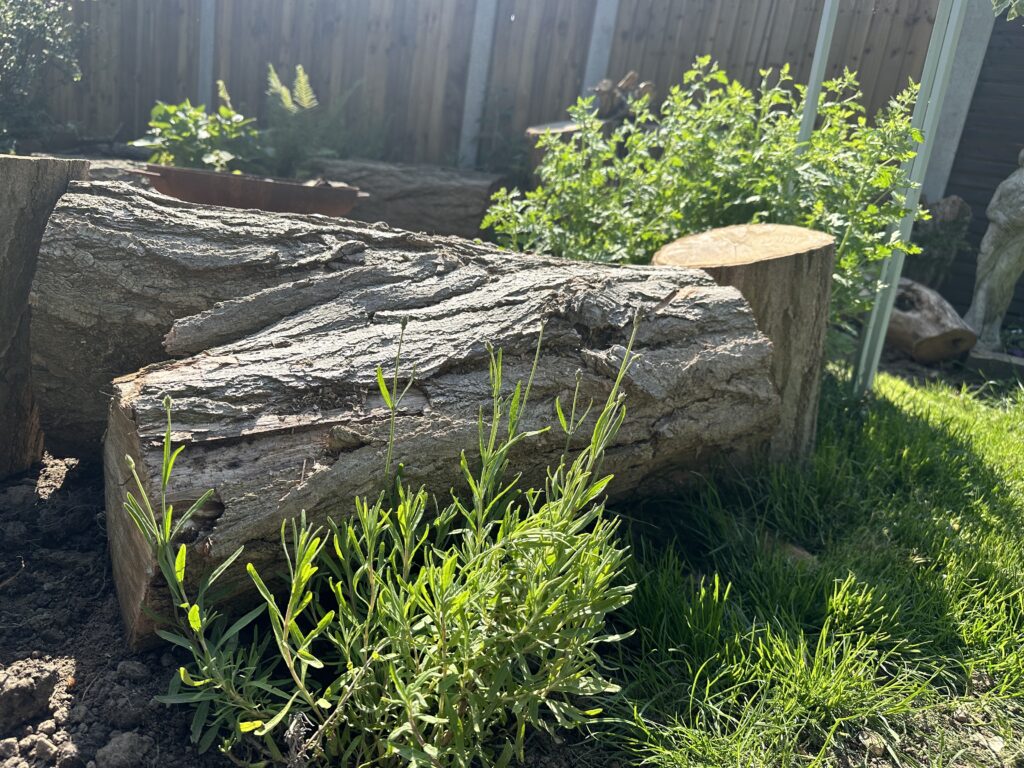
(25, 690)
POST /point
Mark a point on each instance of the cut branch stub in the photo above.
(785, 273)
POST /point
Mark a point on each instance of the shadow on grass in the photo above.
(899, 542)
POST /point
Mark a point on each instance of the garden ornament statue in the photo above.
(1000, 260)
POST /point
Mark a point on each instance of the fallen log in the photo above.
(423, 198)
(119, 265)
(925, 326)
(785, 273)
(29, 188)
(280, 411)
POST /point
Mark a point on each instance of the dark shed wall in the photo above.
(992, 138)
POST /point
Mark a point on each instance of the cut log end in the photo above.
(29, 188)
(785, 272)
(742, 244)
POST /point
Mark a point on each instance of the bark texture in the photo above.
(423, 198)
(29, 188)
(119, 265)
(925, 326)
(281, 321)
(785, 273)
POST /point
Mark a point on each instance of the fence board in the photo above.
(395, 70)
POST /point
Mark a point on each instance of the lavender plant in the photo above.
(405, 635)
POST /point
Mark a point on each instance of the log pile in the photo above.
(266, 329)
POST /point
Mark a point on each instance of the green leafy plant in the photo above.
(403, 636)
(716, 154)
(1014, 9)
(296, 124)
(37, 38)
(188, 136)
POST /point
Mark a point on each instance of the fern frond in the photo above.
(278, 90)
(302, 91)
(223, 95)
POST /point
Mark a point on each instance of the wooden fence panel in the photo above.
(537, 64)
(395, 71)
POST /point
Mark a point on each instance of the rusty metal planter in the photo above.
(239, 190)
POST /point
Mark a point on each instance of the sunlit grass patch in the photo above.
(841, 610)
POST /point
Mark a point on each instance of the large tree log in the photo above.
(424, 198)
(785, 273)
(925, 326)
(119, 265)
(29, 188)
(288, 417)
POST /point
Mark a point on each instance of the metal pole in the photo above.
(476, 81)
(204, 72)
(934, 82)
(602, 35)
(822, 48)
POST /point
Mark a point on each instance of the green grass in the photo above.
(870, 604)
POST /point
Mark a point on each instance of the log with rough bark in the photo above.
(785, 273)
(423, 198)
(278, 403)
(29, 188)
(925, 326)
(119, 265)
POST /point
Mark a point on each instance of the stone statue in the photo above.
(1000, 260)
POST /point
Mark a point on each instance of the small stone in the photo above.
(47, 728)
(872, 743)
(962, 715)
(133, 671)
(68, 756)
(45, 749)
(8, 748)
(25, 690)
(996, 744)
(124, 750)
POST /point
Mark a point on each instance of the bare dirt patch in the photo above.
(71, 693)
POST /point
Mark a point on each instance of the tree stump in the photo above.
(925, 326)
(785, 273)
(29, 188)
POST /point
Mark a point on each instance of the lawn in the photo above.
(867, 609)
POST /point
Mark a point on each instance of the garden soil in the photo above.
(71, 693)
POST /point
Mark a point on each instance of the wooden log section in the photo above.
(276, 398)
(29, 188)
(925, 326)
(424, 198)
(785, 273)
(118, 265)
